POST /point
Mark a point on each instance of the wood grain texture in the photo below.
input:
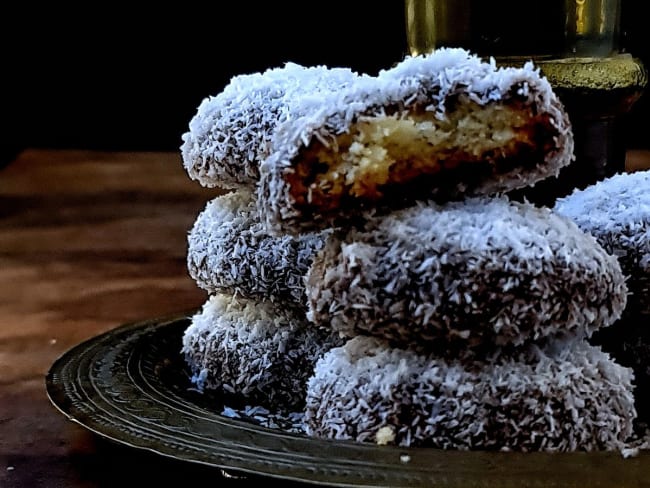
(89, 241)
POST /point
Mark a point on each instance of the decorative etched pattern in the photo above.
(130, 385)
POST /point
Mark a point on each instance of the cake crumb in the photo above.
(629, 452)
(385, 435)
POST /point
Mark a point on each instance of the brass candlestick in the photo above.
(575, 43)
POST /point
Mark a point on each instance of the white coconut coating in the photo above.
(230, 251)
(433, 89)
(567, 397)
(616, 211)
(466, 275)
(253, 350)
(230, 133)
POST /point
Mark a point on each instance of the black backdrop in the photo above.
(123, 79)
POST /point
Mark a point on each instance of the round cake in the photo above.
(253, 351)
(465, 276)
(569, 396)
(230, 251)
(616, 211)
(439, 126)
(230, 133)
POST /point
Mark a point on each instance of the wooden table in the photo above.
(89, 241)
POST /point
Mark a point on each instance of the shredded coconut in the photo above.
(492, 300)
(230, 133)
(471, 274)
(230, 251)
(253, 350)
(616, 211)
(432, 82)
(566, 397)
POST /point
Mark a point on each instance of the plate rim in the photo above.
(78, 392)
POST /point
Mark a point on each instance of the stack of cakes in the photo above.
(378, 217)
(469, 323)
(251, 338)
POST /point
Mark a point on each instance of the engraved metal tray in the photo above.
(130, 385)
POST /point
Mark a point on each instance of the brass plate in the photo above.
(130, 385)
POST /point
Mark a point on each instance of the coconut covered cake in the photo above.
(367, 273)
(564, 397)
(253, 350)
(230, 251)
(616, 211)
(231, 132)
(442, 126)
(463, 276)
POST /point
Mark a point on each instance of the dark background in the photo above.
(124, 79)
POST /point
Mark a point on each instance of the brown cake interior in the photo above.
(414, 154)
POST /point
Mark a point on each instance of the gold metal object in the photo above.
(575, 43)
(515, 29)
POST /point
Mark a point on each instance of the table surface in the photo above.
(90, 241)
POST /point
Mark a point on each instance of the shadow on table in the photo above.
(112, 465)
